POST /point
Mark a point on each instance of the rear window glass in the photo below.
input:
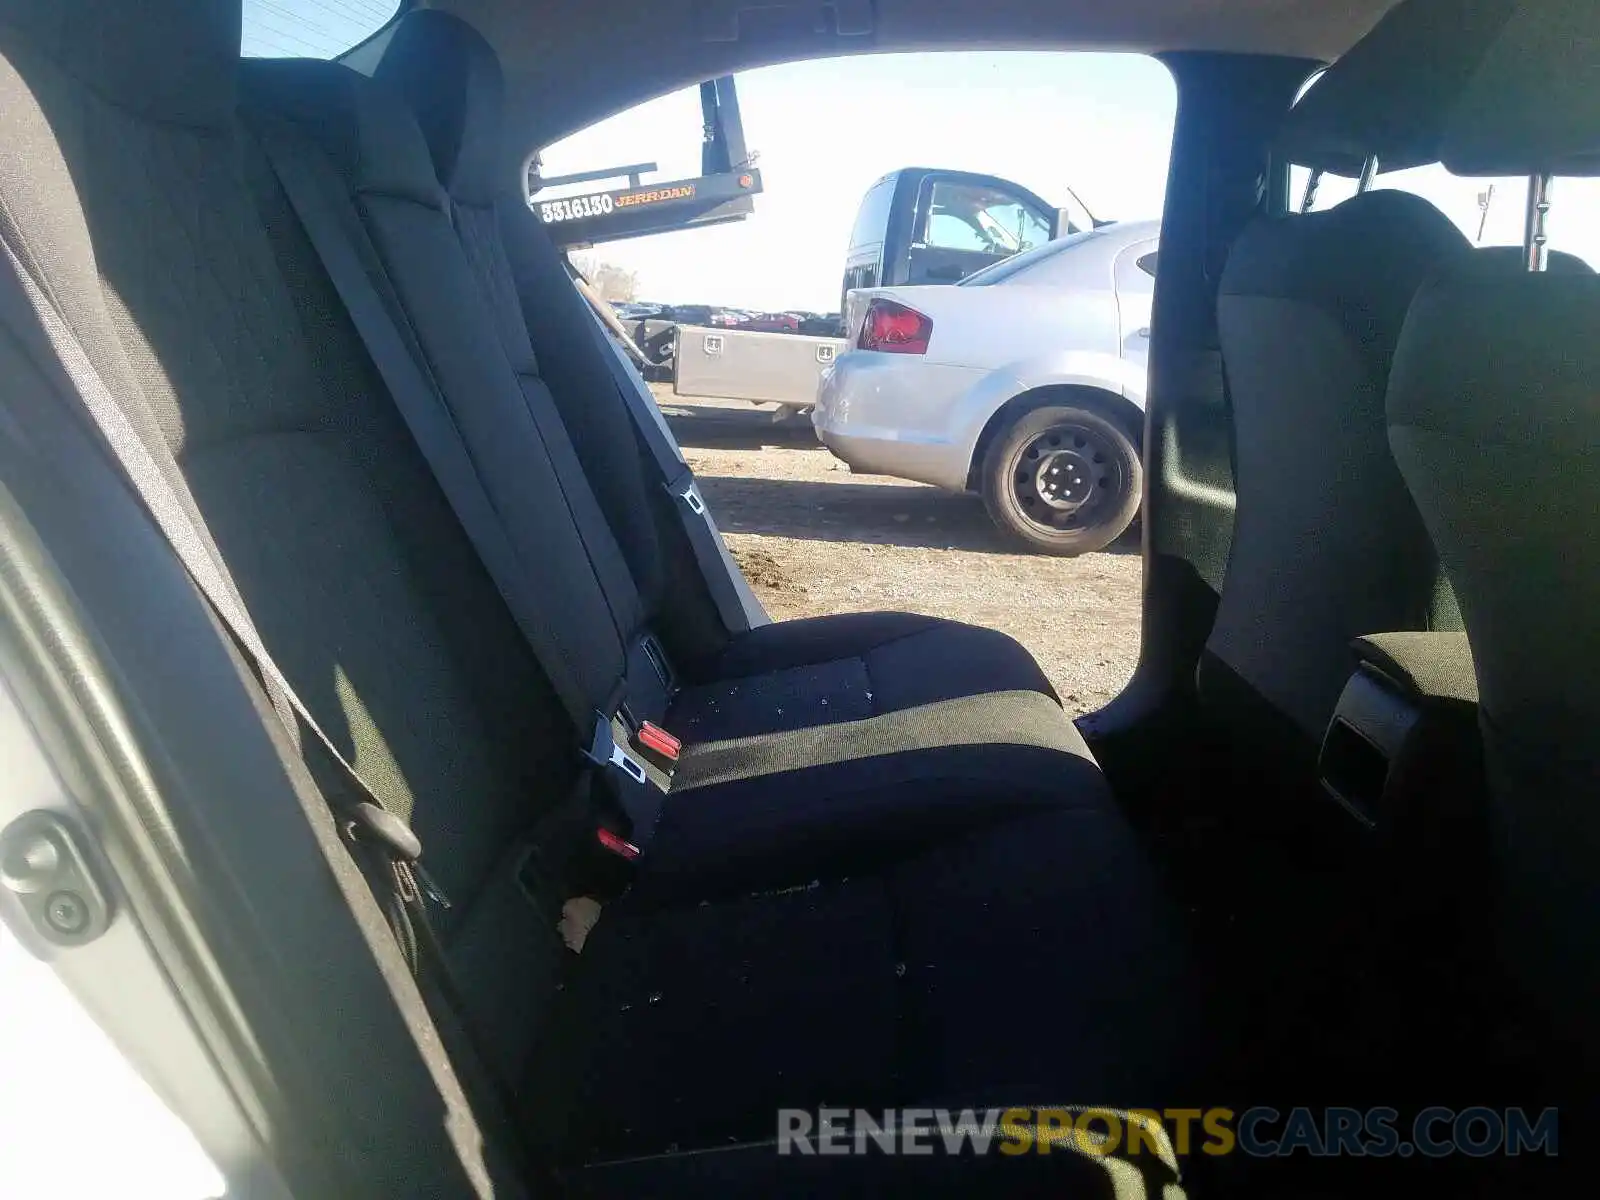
(873, 217)
(311, 28)
(985, 218)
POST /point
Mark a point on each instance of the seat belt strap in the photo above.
(589, 692)
(736, 604)
(366, 821)
(730, 591)
(432, 428)
(366, 824)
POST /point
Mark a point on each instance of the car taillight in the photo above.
(894, 329)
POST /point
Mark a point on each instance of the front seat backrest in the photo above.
(1327, 545)
(1494, 416)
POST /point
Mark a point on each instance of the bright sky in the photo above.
(1099, 123)
(1572, 224)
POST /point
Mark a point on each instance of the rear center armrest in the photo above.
(1403, 743)
(1422, 666)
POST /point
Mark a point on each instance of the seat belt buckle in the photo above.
(616, 844)
(657, 747)
(604, 751)
(607, 865)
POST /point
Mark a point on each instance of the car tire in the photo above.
(1063, 480)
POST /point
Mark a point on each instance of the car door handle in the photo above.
(1144, 332)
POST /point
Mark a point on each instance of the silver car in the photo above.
(1024, 383)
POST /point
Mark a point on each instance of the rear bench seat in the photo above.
(812, 746)
(776, 677)
(1033, 957)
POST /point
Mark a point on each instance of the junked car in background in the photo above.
(1024, 383)
(914, 225)
(935, 225)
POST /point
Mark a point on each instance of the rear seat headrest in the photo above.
(1391, 94)
(364, 128)
(168, 60)
(451, 77)
(1533, 104)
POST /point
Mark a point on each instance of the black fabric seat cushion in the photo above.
(204, 308)
(831, 800)
(818, 746)
(824, 670)
(822, 784)
(994, 969)
(813, 781)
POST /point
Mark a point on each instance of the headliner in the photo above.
(569, 64)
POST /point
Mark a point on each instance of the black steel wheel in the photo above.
(1063, 480)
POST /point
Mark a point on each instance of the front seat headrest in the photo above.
(1532, 106)
(1390, 95)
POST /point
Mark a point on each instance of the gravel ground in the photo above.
(814, 538)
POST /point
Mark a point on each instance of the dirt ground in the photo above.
(814, 538)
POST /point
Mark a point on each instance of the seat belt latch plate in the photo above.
(686, 489)
(605, 751)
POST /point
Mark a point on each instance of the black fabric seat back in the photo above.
(359, 138)
(1327, 544)
(1494, 416)
(451, 78)
(156, 226)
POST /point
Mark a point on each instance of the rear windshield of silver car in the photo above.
(1007, 267)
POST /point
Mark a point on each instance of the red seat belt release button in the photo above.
(618, 845)
(658, 741)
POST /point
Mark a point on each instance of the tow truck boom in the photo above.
(724, 191)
